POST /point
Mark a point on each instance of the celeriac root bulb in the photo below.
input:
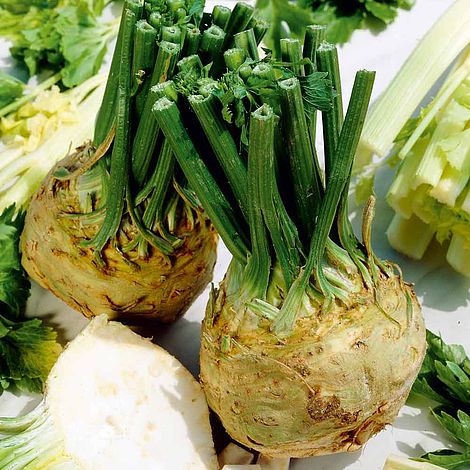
(113, 401)
(339, 378)
(128, 286)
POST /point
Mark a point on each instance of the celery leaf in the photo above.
(28, 348)
(341, 18)
(10, 89)
(63, 37)
(445, 378)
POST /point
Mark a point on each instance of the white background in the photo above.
(444, 294)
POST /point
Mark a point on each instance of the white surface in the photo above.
(445, 296)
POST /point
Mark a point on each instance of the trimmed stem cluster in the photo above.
(246, 144)
(141, 180)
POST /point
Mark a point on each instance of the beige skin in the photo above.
(338, 379)
(133, 289)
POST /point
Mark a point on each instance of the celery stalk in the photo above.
(448, 88)
(441, 45)
(432, 165)
(458, 254)
(409, 236)
(466, 203)
(451, 184)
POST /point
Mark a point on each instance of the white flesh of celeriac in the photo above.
(116, 401)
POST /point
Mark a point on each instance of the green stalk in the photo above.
(283, 233)
(221, 16)
(291, 51)
(241, 15)
(154, 211)
(306, 187)
(119, 166)
(145, 47)
(260, 28)
(171, 34)
(212, 199)
(147, 131)
(156, 20)
(234, 58)
(191, 40)
(211, 43)
(341, 169)
(246, 40)
(223, 145)
(257, 270)
(239, 18)
(314, 36)
(107, 112)
(338, 181)
(145, 53)
(190, 66)
(327, 61)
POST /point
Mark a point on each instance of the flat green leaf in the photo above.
(449, 459)
(14, 284)
(27, 353)
(340, 30)
(317, 92)
(445, 352)
(458, 390)
(458, 428)
(88, 61)
(10, 89)
(421, 387)
(382, 11)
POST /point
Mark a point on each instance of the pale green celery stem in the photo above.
(32, 443)
(35, 165)
(436, 51)
(457, 149)
(466, 203)
(400, 189)
(458, 254)
(76, 95)
(410, 236)
(451, 184)
(432, 164)
(454, 80)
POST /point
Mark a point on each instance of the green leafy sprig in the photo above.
(28, 348)
(445, 378)
(289, 18)
(65, 37)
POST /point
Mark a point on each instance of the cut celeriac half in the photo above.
(113, 400)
